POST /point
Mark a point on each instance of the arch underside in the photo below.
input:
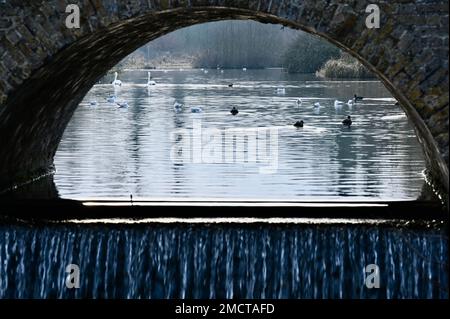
(36, 112)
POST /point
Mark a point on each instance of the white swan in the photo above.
(196, 109)
(116, 82)
(149, 80)
(178, 107)
(338, 103)
(317, 104)
(350, 102)
(244, 69)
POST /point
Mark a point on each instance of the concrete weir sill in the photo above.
(401, 213)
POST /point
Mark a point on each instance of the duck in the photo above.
(122, 104)
(93, 103)
(298, 124)
(347, 121)
(116, 82)
(178, 107)
(234, 111)
(244, 69)
(230, 85)
(111, 99)
(317, 104)
(350, 102)
(299, 101)
(196, 109)
(150, 82)
(281, 90)
(357, 98)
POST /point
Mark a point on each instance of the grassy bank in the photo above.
(344, 67)
(137, 60)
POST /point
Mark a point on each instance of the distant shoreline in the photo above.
(176, 67)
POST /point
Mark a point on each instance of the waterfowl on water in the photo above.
(299, 101)
(338, 103)
(350, 102)
(116, 82)
(317, 104)
(347, 121)
(234, 111)
(178, 107)
(93, 103)
(111, 99)
(357, 98)
(150, 82)
(281, 90)
(230, 85)
(122, 105)
(298, 124)
(196, 109)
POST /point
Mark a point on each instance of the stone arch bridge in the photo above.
(46, 69)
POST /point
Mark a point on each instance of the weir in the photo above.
(208, 261)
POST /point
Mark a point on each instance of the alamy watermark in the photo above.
(73, 18)
(257, 145)
(372, 276)
(73, 278)
(373, 19)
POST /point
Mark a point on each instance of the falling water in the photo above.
(206, 261)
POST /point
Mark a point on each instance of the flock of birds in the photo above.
(117, 83)
(337, 104)
(178, 107)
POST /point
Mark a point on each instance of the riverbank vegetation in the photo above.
(306, 54)
(345, 66)
(249, 44)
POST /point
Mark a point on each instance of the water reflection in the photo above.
(112, 153)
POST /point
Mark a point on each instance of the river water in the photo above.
(151, 151)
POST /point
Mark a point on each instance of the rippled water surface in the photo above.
(148, 149)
